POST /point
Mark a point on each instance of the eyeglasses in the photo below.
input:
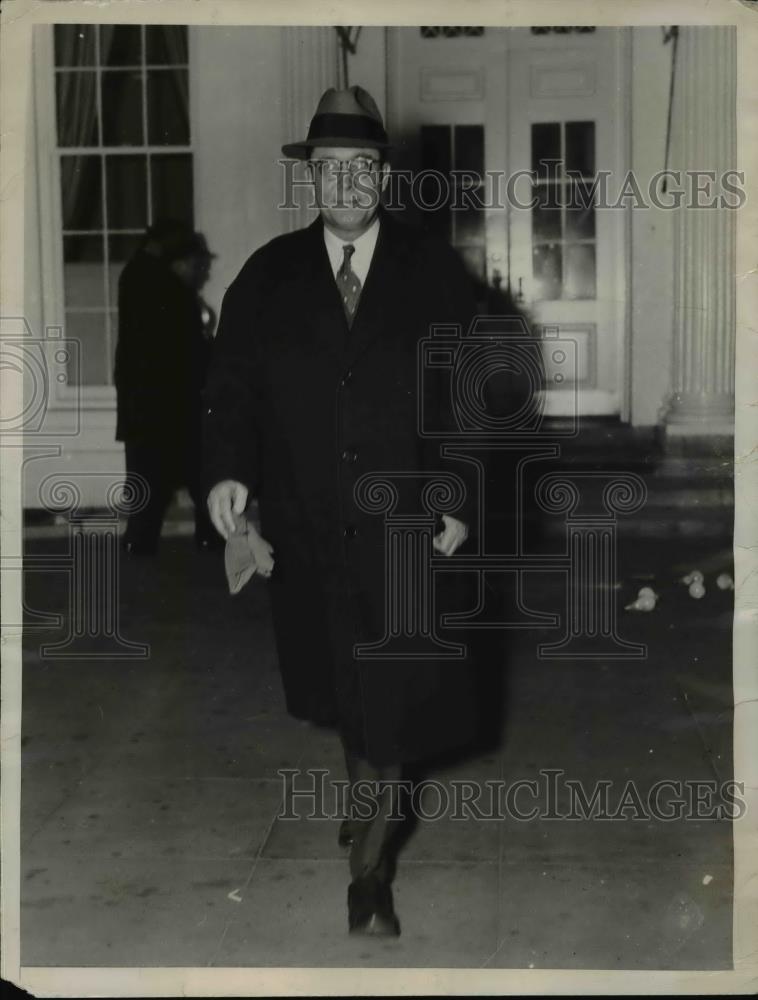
(332, 167)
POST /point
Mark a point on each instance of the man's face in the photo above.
(347, 185)
(194, 270)
(202, 271)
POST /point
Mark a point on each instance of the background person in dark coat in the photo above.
(162, 356)
(309, 391)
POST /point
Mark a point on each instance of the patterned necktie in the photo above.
(348, 284)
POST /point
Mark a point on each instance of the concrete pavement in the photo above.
(150, 795)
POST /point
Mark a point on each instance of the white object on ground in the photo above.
(235, 895)
(707, 879)
(644, 602)
(724, 582)
(697, 589)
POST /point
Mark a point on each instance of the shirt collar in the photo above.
(364, 249)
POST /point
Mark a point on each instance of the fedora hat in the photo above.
(348, 118)
(192, 244)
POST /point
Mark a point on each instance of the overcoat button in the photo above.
(348, 455)
(347, 377)
(350, 531)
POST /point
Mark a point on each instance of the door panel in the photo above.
(563, 99)
(517, 101)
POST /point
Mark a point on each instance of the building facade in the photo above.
(190, 122)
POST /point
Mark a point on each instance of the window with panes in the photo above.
(124, 156)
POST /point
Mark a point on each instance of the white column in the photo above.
(309, 67)
(702, 391)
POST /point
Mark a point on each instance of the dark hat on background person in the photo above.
(164, 228)
(196, 245)
(169, 235)
(192, 244)
(348, 118)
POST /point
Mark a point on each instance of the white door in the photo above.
(516, 100)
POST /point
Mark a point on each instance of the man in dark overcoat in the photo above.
(314, 384)
(161, 362)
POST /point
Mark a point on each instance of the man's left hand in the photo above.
(452, 536)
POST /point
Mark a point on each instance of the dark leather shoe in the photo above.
(370, 909)
(345, 837)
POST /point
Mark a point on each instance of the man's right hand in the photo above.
(226, 499)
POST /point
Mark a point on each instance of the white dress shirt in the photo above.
(364, 250)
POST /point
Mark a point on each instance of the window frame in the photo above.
(49, 155)
(561, 181)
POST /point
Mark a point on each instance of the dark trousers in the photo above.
(381, 801)
(163, 468)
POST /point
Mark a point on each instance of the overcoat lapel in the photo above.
(372, 318)
(319, 296)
